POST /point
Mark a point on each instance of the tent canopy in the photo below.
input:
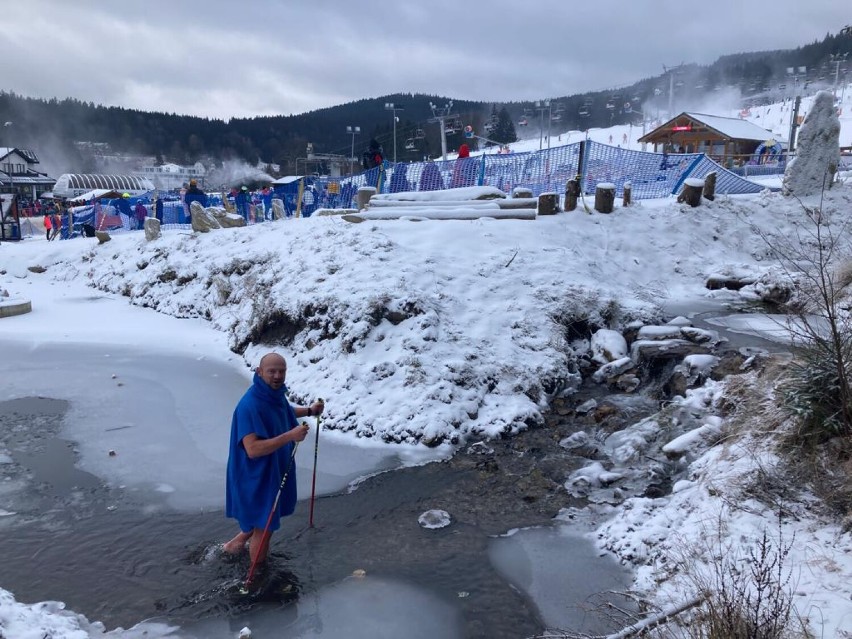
(97, 193)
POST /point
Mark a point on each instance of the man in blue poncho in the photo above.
(264, 431)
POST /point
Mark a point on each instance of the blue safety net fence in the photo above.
(651, 175)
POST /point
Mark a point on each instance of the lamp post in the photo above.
(353, 131)
(11, 174)
(390, 106)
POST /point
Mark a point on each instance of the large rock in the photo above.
(818, 152)
(225, 219)
(152, 228)
(202, 221)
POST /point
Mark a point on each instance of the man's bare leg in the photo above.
(237, 544)
(258, 551)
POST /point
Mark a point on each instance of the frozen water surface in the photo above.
(541, 561)
(357, 608)
(166, 419)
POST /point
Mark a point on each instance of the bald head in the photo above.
(273, 370)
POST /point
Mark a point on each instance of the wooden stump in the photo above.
(572, 192)
(626, 199)
(548, 204)
(605, 197)
(521, 191)
(710, 186)
(691, 193)
(364, 195)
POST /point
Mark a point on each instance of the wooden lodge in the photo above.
(726, 140)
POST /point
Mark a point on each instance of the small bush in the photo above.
(747, 596)
(814, 390)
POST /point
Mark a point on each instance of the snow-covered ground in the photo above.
(439, 332)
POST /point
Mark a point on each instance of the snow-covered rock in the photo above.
(608, 345)
(818, 150)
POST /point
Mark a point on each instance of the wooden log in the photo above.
(572, 192)
(626, 199)
(710, 186)
(691, 193)
(605, 197)
(548, 204)
(521, 191)
(505, 203)
(364, 195)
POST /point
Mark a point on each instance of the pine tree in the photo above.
(505, 131)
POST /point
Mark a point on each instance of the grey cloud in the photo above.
(262, 57)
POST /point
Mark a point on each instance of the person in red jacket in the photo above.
(47, 225)
(464, 170)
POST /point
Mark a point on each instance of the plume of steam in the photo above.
(235, 173)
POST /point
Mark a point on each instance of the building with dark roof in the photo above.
(19, 175)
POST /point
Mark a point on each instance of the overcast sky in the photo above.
(222, 59)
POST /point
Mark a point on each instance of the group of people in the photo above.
(52, 222)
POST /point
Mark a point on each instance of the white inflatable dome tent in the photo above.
(71, 185)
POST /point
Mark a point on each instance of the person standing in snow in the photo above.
(464, 169)
(55, 223)
(264, 432)
(158, 208)
(47, 225)
(242, 202)
(193, 194)
(141, 213)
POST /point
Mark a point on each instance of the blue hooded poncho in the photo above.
(253, 483)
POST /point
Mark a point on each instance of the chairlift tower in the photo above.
(672, 71)
(836, 59)
(441, 115)
(541, 106)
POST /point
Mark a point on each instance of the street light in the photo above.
(11, 170)
(389, 106)
(353, 131)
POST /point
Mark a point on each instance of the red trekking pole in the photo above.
(264, 538)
